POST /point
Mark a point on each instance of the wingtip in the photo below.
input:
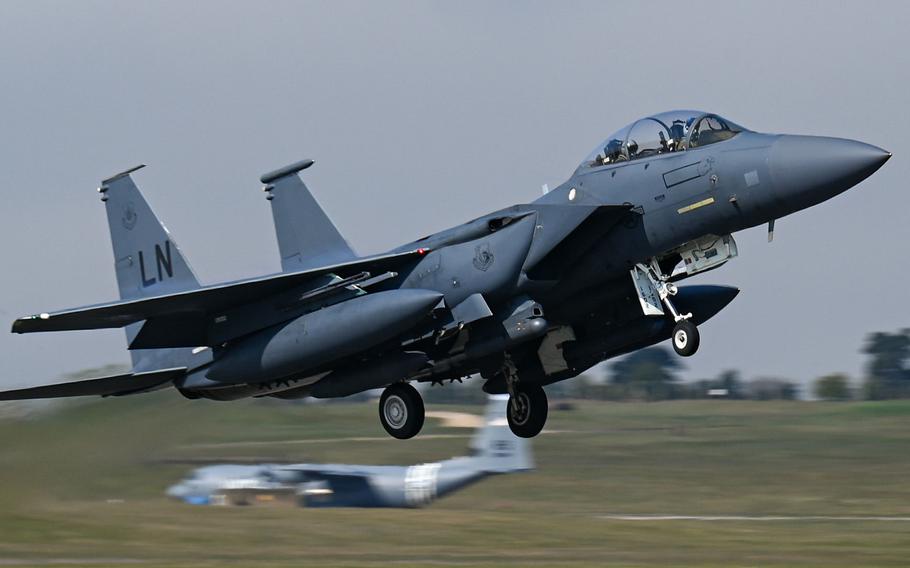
(23, 324)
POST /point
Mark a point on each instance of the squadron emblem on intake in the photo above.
(483, 257)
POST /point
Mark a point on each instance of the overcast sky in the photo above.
(423, 115)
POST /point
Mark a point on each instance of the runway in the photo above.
(752, 518)
(303, 441)
(254, 443)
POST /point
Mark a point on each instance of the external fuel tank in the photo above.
(323, 336)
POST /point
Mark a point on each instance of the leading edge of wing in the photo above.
(327, 471)
(208, 298)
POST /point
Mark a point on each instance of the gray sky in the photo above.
(423, 115)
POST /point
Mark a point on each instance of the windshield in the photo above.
(711, 129)
(673, 131)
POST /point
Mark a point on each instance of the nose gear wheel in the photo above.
(685, 338)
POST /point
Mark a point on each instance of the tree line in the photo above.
(652, 374)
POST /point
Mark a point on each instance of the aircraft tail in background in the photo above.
(494, 447)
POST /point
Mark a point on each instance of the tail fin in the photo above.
(494, 445)
(147, 260)
(306, 236)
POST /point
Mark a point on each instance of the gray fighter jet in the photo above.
(494, 450)
(525, 296)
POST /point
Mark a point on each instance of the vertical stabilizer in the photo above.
(495, 448)
(306, 236)
(147, 260)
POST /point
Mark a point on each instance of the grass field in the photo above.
(84, 486)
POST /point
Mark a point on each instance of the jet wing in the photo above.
(323, 471)
(199, 301)
(331, 477)
(331, 473)
(114, 385)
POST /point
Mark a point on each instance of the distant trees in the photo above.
(768, 388)
(648, 374)
(833, 387)
(727, 385)
(652, 374)
(888, 370)
(730, 382)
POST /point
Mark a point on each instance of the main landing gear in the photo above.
(401, 411)
(527, 408)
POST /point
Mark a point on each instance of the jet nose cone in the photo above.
(810, 169)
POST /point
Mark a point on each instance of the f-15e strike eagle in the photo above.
(525, 296)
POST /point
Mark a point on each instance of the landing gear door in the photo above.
(648, 295)
(705, 254)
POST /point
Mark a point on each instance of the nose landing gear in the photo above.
(401, 411)
(654, 293)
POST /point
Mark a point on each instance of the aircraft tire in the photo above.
(528, 419)
(401, 411)
(685, 338)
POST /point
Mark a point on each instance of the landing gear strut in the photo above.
(401, 411)
(527, 408)
(685, 335)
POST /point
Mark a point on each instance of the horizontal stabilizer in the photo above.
(203, 302)
(115, 385)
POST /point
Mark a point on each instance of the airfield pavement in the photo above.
(708, 483)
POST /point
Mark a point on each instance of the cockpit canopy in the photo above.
(673, 131)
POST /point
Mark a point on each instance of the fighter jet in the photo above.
(523, 297)
(494, 450)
